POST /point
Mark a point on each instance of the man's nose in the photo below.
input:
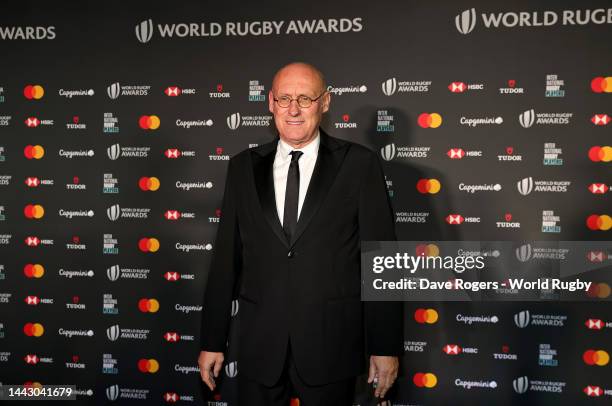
(294, 108)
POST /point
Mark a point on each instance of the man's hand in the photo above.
(210, 365)
(384, 370)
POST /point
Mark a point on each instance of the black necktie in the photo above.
(292, 192)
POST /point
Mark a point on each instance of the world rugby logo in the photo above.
(113, 90)
(527, 118)
(522, 319)
(525, 186)
(113, 152)
(389, 86)
(113, 273)
(520, 384)
(144, 31)
(233, 121)
(466, 21)
(388, 152)
(523, 253)
(112, 333)
(112, 393)
(231, 369)
(113, 212)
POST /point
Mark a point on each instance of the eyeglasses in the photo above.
(303, 101)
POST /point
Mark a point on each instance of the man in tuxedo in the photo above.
(293, 215)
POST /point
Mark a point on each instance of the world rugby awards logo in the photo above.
(527, 118)
(520, 384)
(231, 369)
(144, 31)
(466, 21)
(525, 186)
(388, 152)
(389, 86)
(113, 90)
(113, 151)
(113, 273)
(113, 212)
(112, 393)
(233, 121)
(523, 253)
(521, 319)
(112, 333)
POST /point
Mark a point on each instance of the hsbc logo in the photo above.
(173, 337)
(33, 241)
(460, 87)
(173, 91)
(460, 153)
(598, 188)
(34, 122)
(175, 153)
(601, 119)
(456, 219)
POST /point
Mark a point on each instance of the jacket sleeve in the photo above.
(383, 319)
(224, 269)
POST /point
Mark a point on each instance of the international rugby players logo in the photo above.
(144, 31)
(389, 86)
(466, 21)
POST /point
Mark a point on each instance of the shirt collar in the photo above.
(309, 150)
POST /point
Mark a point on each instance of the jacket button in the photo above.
(290, 254)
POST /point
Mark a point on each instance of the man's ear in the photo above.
(271, 101)
(326, 101)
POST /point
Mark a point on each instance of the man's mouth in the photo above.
(295, 122)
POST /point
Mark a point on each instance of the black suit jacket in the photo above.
(306, 290)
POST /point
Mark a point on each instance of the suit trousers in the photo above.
(290, 384)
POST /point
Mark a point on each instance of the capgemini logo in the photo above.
(520, 384)
(112, 393)
(231, 369)
(527, 118)
(523, 253)
(233, 121)
(521, 319)
(525, 186)
(112, 333)
(389, 86)
(144, 31)
(466, 21)
(113, 151)
(113, 90)
(113, 212)
(388, 152)
(113, 273)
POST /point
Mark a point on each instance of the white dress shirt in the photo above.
(281, 167)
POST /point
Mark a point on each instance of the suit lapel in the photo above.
(329, 158)
(263, 162)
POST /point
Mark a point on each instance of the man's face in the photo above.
(297, 125)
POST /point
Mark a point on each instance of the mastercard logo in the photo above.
(148, 244)
(34, 211)
(35, 92)
(431, 186)
(596, 357)
(600, 154)
(33, 329)
(149, 122)
(601, 84)
(33, 270)
(34, 151)
(429, 120)
(148, 305)
(597, 222)
(599, 290)
(425, 380)
(426, 316)
(148, 184)
(428, 250)
(600, 119)
(148, 366)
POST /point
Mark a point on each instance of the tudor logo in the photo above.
(466, 21)
(144, 31)
(527, 118)
(454, 219)
(388, 152)
(520, 384)
(389, 86)
(525, 186)
(233, 121)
